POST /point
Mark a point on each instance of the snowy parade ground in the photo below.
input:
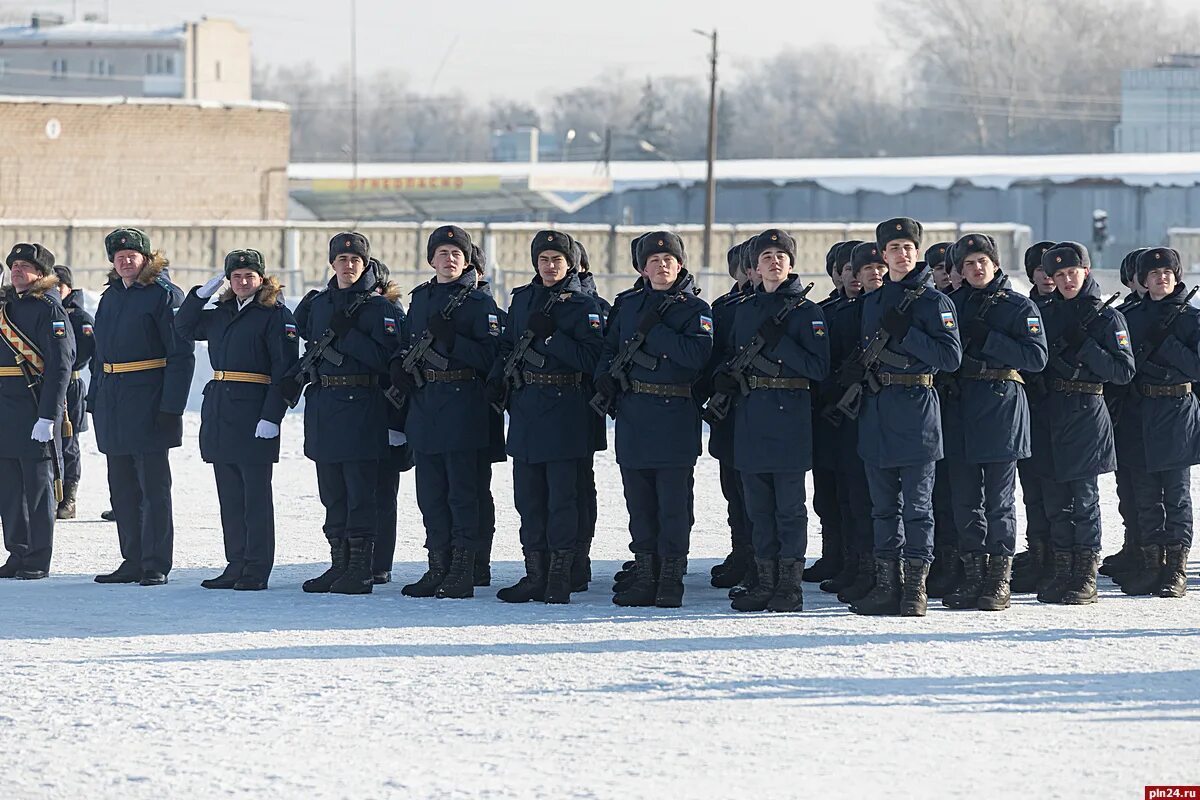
(177, 691)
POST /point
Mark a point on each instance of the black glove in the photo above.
(772, 332)
(542, 325)
(725, 383)
(896, 323)
(169, 423)
(401, 379)
(290, 388)
(851, 372)
(971, 366)
(341, 324)
(649, 319)
(442, 330)
(495, 389)
(1075, 335)
(977, 331)
(607, 386)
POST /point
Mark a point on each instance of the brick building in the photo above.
(138, 158)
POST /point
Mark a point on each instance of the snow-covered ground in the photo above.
(181, 692)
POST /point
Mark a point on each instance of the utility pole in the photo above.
(354, 109)
(710, 184)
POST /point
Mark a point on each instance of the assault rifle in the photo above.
(629, 355)
(422, 353)
(323, 350)
(523, 353)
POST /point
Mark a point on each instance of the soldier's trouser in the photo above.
(1074, 511)
(778, 519)
(547, 498)
(347, 490)
(448, 496)
(659, 502)
(487, 504)
(945, 532)
(1037, 524)
(985, 507)
(1128, 506)
(139, 486)
(855, 497)
(902, 510)
(247, 517)
(27, 511)
(70, 458)
(735, 502)
(1164, 506)
(825, 504)
(387, 484)
(588, 502)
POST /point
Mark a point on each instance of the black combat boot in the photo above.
(13, 565)
(427, 584)
(459, 583)
(483, 566)
(670, 582)
(66, 509)
(1081, 589)
(1174, 574)
(558, 577)
(108, 516)
(757, 598)
(1025, 579)
(126, 573)
(533, 585)
(848, 573)
(971, 586)
(747, 583)
(1147, 577)
(150, 577)
(625, 573)
(830, 562)
(339, 557)
(884, 598)
(789, 592)
(1052, 591)
(630, 575)
(581, 565)
(31, 574)
(225, 580)
(644, 588)
(357, 579)
(864, 580)
(949, 576)
(728, 573)
(996, 595)
(915, 599)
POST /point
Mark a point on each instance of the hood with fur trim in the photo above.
(268, 294)
(149, 273)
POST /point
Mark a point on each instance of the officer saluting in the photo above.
(35, 368)
(85, 346)
(557, 328)
(137, 398)
(252, 344)
(658, 419)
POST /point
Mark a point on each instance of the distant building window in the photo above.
(160, 64)
(100, 68)
(218, 71)
(3, 68)
(58, 69)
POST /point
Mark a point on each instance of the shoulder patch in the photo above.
(818, 327)
(594, 320)
(289, 330)
(948, 320)
(493, 325)
(1123, 339)
(389, 325)
(706, 324)
(1033, 324)
(87, 329)
(59, 328)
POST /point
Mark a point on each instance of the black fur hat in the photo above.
(350, 242)
(451, 235)
(977, 243)
(656, 242)
(1033, 256)
(33, 253)
(1064, 255)
(1158, 258)
(898, 228)
(556, 241)
(773, 237)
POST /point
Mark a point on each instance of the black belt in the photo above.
(994, 375)
(896, 379)
(661, 389)
(1171, 390)
(328, 381)
(553, 378)
(450, 375)
(761, 382)
(1076, 387)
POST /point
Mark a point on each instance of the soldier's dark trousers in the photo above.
(448, 496)
(589, 510)
(985, 507)
(487, 503)
(347, 490)
(71, 460)
(387, 484)
(1164, 506)
(902, 510)
(945, 533)
(27, 510)
(660, 510)
(735, 502)
(778, 519)
(855, 498)
(140, 489)
(1074, 511)
(825, 503)
(1037, 524)
(247, 517)
(1127, 504)
(547, 498)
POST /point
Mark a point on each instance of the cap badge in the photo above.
(899, 227)
(449, 234)
(660, 241)
(1157, 256)
(1058, 259)
(243, 258)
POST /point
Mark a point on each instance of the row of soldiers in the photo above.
(912, 407)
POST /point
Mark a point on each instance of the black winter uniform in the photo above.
(85, 346)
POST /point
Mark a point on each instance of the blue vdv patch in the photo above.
(58, 328)
(948, 320)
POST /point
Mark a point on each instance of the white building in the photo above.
(204, 60)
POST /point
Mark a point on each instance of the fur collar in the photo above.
(391, 291)
(36, 289)
(149, 273)
(268, 293)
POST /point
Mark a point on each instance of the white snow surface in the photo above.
(176, 691)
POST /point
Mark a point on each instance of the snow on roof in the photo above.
(262, 105)
(74, 32)
(845, 175)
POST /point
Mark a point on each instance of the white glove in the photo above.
(266, 430)
(43, 430)
(396, 438)
(209, 289)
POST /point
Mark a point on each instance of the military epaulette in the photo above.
(164, 283)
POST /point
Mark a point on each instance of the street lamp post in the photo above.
(710, 184)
